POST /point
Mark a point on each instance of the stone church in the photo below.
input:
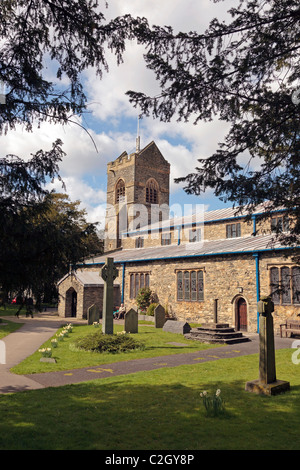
(190, 262)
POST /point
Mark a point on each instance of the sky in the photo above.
(112, 121)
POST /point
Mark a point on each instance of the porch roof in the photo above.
(86, 278)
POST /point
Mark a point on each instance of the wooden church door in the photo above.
(241, 315)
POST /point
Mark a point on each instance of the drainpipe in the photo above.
(256, 256)
(254, 224)
(123, 282)
(178, 234)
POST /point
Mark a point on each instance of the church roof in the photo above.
(237, 246)
(86, 278)
(228, 213)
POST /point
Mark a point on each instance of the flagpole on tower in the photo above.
(138, 139)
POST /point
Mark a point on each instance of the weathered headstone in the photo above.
(108, 273)
(159, 316)
(131, 321)
(180, 327)
(267, 383)
(2, 353)
(93, 314)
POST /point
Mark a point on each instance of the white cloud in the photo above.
(92, 200)
(113, 123)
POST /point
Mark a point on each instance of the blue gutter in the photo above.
(178, 234)
(123, 282)
(256, 256)
(254, 224)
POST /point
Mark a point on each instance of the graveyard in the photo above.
(125, 412)
(219, 400)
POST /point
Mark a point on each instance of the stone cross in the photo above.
(108, 273)
(267, 370)
(267, 383)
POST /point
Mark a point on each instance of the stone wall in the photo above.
(64, 299)
(227, 278)
(222, 278)
(86, 296)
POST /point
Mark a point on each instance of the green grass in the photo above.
(10, 310)
(7, 327)
(67, 356)
(158, 410)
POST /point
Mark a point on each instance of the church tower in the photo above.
(137, 192)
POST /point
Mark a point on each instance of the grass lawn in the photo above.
(154, 410)
(158, 410)
(7, 327)
(156, 341)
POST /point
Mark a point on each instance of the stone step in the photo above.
(216, 333)
(213, 330)
(213, 340)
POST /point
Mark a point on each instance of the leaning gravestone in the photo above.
(159, 316)
(180, 327)
(131, 321)
(93, 314)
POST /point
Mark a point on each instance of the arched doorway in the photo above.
(74, 304)
(71, 303)
(241, 322)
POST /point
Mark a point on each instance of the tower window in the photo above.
(152, 192)
(120, 191)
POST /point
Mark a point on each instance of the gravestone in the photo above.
(2, 352)
(131, 321)
(180, 327)
(93, 314)
(108, 273)
(267, 383)
(159, 316)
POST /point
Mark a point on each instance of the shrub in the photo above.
(151, 308)
(99, 342)
(143, 298)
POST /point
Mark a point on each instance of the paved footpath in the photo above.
(37, 330)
